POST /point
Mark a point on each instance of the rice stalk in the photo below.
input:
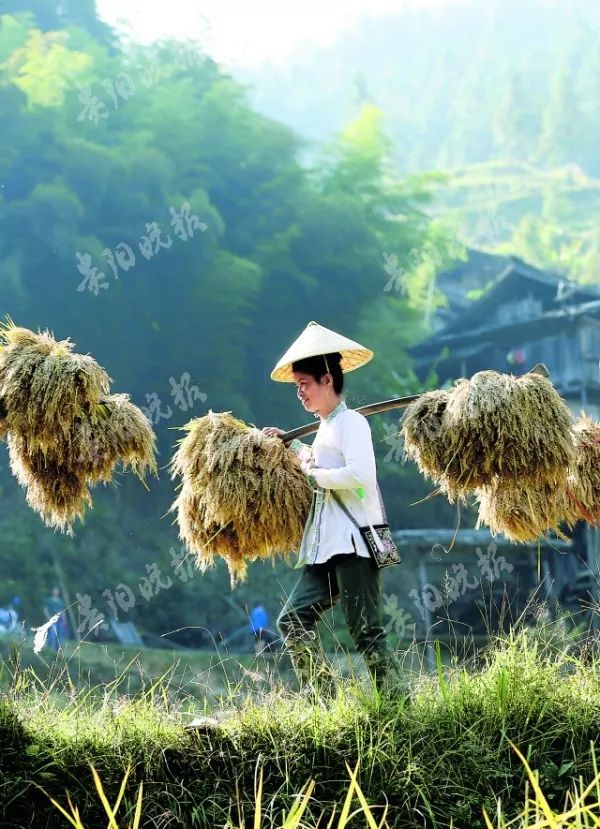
(243, 495)
(525, 513)
(491, 429)
(586, 470)
(65, 431)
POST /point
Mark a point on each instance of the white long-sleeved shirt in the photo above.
(344, 461)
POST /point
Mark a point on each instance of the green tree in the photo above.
(516, 122)
(562, 139)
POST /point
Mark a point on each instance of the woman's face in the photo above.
(312, 394)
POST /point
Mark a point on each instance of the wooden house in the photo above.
(526, 316)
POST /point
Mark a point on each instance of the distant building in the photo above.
(527, 316)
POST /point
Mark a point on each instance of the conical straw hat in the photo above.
(314, 340)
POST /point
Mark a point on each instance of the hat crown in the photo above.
(316, 340)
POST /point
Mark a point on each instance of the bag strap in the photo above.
(347, 511)
(376, 540)
(349, 514)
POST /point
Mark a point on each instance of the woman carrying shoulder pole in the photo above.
(334, 559)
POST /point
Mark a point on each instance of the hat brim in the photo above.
(351, 360)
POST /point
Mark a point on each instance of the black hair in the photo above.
(317, 367)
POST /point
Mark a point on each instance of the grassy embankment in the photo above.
(437, 761)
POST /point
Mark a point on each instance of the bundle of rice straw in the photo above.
(65, 431)
(425, 441)
(492, 429)
(243, 495)
(525, 514)
(113, 431)
(58, 493)
(585, 478)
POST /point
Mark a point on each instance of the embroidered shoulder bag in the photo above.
(377, 537)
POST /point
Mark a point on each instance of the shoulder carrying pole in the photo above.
(384, 406)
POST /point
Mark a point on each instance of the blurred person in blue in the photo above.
(259, 628)
(9, 616)
(15, 603)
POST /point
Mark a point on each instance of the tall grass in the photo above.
(437, 762)
(74, 817)
(293, 820)
(579, 812)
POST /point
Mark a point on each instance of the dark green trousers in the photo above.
(356, 582)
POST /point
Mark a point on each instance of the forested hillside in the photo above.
(502, 95)
(154, 211)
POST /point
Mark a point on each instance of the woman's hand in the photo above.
(271, 431)
(308, 465)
